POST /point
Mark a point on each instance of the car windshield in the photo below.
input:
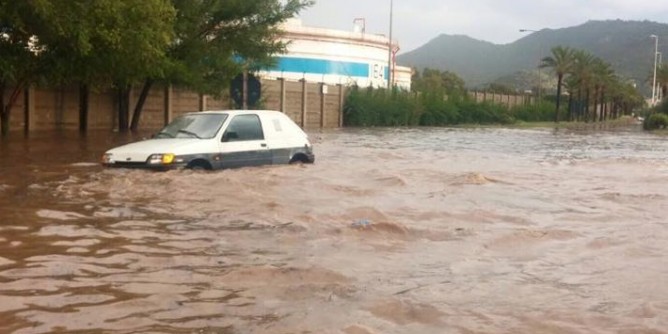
(202, 126)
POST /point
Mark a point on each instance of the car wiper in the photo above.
(164, 133)
(190, 133)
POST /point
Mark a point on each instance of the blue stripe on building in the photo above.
(321, 66)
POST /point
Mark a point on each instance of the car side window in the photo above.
(244, 128)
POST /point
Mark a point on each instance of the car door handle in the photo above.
(263, 145)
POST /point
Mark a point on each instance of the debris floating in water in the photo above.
(362, 223)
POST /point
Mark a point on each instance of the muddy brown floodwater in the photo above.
(391, 231)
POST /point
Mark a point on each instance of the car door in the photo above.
(243, 143)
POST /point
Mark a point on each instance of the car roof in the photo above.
(257, 112)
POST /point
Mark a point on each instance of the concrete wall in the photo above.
(58, 108)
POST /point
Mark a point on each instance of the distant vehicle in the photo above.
(217, 140)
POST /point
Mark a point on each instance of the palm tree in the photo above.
(571, 85)
(582, 71)
(662, 80)
(629, 98)
(561, 62)
(603, 75)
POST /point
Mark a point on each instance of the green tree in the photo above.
(435, 81)
(603, 77)
(217, 39)
(583, 74)
(100, 42)
(19, 56)
(662, 80)
(498, 88)
(571, 86)
(561, 62)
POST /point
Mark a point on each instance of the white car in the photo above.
(216, 140)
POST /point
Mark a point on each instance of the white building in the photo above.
(336, 57)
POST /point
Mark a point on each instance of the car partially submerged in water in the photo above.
(217, 140)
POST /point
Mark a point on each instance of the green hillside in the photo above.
(626, 45)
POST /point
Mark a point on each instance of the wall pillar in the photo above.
(282, 97)
(244, 90)
(29, 108)
(84, 107)
(202, 102)
(323, 96)
(304, 97)
(342, 101)
(168, 108)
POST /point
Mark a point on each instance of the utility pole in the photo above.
(540, 58)
(656, 54)
(659, 92)
(389, 49)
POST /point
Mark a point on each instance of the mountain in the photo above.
(626, 45)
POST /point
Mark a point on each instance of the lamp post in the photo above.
(656, 53)
(540, 50)
(389, 49)
(659, 92)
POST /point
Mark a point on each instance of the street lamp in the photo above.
(659, 92)
(540, 50)
(656, 53)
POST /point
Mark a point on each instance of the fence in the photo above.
(507, 100)
(311, 105)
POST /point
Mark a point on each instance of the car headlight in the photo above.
(161, 159)
(107, 158)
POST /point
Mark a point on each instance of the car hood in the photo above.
(140, 151)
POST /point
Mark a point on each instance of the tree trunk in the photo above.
(5, 109)
(604, 106)
(559, 79)
(579, 106)
(84, 94)
(595, 111)
(123, 107)
(586, 105)
(4, 122)
(140, 104)
(570, 107)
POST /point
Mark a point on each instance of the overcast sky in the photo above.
(416, 22)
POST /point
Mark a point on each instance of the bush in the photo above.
(380, 107)
(656, 121)
(662, 107)
(543, 112)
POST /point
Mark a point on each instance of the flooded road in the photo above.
(390, 231)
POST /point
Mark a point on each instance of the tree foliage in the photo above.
(662, 80)
(499, 88)
(592, 85)
(200, 44)
(561, 62)
(435, 81)
(380, 107)
(217, 39)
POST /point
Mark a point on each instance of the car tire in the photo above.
(199, 165)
